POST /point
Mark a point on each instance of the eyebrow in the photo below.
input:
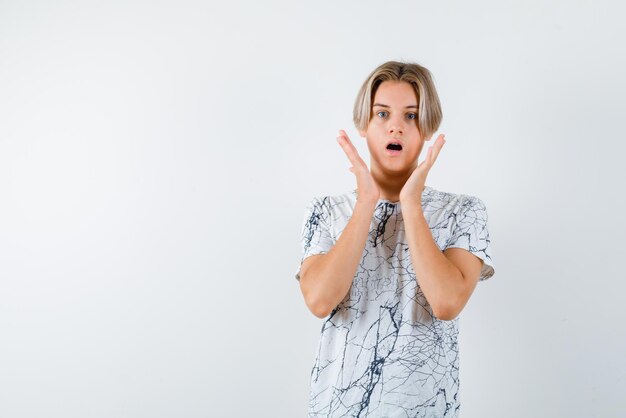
(384, 105)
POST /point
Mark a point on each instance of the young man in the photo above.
(390, 266)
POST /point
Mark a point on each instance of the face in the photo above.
(394, 120)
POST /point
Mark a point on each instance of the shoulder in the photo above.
(334, 207)
(452, 201)
(438, 197)
(332, 201)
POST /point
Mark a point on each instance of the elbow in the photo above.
(315, 304)
(446, 313)
(320, 311)
(449, 308)
(445, 317)
(318, 307)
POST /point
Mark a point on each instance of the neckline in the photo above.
(389, 202)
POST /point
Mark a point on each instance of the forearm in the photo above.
(440, 280)
(330, 278)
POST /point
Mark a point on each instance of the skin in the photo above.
(447, 278)
(399, 177)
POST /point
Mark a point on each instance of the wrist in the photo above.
(411, 203)
(365, 200)
(369, 204)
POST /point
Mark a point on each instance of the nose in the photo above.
(396, 126)
(395, 130)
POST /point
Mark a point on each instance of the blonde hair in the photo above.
(429, 113)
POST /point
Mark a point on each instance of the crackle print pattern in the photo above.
(382, 353)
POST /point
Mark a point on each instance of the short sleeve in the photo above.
(469, 231)
(316, 237)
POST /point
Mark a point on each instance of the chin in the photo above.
(395, 169)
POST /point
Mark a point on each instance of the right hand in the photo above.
(366, 185)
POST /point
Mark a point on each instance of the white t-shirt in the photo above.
(381, 350)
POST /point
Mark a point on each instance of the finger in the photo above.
(346, 146)
(426, 163)
(349, 149)
(344, 135)
(437, 147)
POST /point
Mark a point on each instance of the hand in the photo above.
(366, 185)
(412, 190)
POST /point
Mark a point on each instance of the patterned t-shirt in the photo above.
(382, 352)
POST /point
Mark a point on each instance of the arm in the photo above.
(328, 279)
(446, 278)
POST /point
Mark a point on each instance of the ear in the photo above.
(362, 133)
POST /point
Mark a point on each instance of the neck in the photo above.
(390, 183)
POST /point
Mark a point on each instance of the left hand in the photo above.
(412, 189)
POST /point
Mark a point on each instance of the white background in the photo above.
(156, 158)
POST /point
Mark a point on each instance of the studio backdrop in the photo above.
(156, 160)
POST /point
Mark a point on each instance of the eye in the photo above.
(414, 116)
(382, 111)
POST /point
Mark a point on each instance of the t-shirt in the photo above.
(382, 352)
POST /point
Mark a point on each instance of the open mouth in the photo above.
(394, 147)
